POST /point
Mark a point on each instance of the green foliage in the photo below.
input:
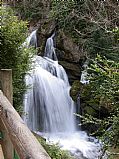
(103, 92)
(30, 9)
(61, 11)
(54, 150)
(90, 25)
(13, 55)
(75, 89)
(104, 82)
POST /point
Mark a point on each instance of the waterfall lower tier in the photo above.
(48, 106)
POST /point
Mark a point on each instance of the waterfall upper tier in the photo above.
(50, 49)
(31, 40)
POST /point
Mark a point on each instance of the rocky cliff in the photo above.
(68, 52)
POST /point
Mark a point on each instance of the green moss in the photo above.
(90, 111)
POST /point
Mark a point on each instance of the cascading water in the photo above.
(31, 40)
(49, 110)
(49, 49)
(84, 73)
(47, 103)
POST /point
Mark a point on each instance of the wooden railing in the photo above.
(16, 137)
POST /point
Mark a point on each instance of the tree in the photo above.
(13, 55)
(90, 24)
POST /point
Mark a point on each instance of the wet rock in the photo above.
(69, 55)
(72, 69)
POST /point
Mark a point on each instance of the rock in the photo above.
(69, 56)
(88, 105)
(72, 69)
(67, 50)
(45, 30)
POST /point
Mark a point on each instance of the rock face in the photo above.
(69, 51)
(69, 55)
(73, 70)
(88, 105)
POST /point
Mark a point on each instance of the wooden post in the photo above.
(6, 83)
(6, 86)
(1, 153)
(24, 141)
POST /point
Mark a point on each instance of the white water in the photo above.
(50, 49)
(49, 108)
(47, 103)
(31, 40)
(84, 74)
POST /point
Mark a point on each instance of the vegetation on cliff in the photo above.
(103, 93)
(89, 24)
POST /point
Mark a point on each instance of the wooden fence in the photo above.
(15, 137)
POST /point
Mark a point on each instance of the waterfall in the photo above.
(47, 104)
(49, 49)
(49, 109)
(31, 40)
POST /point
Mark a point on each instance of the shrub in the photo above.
(54, 150)
(103, 92)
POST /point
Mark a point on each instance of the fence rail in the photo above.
(16, 134)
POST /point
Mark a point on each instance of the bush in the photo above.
(13, 55)
(54, 150)
(103, 92)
